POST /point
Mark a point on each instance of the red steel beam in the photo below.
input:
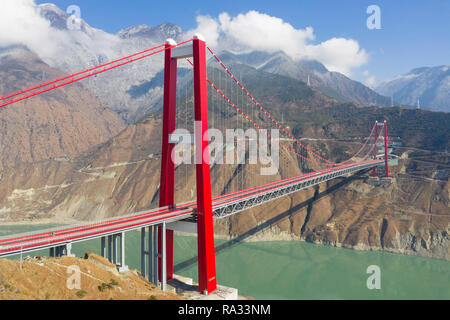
(205, 231)
(167, 174)
(386, 160)
(375, 150)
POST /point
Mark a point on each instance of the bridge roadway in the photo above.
(223, 206)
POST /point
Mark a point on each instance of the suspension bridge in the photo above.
(157, 225)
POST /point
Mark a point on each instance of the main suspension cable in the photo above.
(84, 74)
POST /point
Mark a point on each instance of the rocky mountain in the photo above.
(332, 84)
(158, 33)
(426, 87)
(88, 46)
(63, 123)
(67, 158)
(410, 215)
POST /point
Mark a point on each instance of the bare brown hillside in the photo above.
(121, 176)
(41, 278)
(61, 123)
(411, 215)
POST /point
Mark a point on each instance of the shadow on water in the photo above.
(308, 203)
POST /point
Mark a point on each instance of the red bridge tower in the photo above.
(205, 231)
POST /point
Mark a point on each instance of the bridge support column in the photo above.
(151, 255)
(143, 270)
(151, 263)
(115, 256)
(375, 149)
(155, 256)
(123, 267)
(110, 248)
(386, 157)
(167, 179)
(69, 250)
(103, 247)
(205, 237)
(163, 258)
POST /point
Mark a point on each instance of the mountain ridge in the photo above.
(333, 84)
(424, 87)
(90, 46)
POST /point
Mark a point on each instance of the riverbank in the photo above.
(273, 234)
(440, 243)
(296, 269)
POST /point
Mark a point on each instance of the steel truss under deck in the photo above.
(221, 211)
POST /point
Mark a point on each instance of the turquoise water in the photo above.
(298, 270)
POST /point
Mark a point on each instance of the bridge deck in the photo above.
(223, 206)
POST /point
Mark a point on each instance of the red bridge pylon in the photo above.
(375, 149)
(205, 230)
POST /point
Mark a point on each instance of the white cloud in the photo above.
(371, 82)
(208, 28)
(338, 54)
(258, 31)
(20, 23)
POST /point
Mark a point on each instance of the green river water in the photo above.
(297, 270)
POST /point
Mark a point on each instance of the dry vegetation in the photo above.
(42, 278)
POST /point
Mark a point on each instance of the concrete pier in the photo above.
(68, 250)
(163, 259)
(155, 255)
(103, 247)
(149, 255)
(114, 248)
(188, 289)
(110, 248)
(123, 267)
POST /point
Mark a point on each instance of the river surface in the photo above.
(297, 270)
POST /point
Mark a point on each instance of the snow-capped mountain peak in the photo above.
(72, 50)
(430, 86)
(160, 32)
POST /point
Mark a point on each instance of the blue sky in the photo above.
(412, 34)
